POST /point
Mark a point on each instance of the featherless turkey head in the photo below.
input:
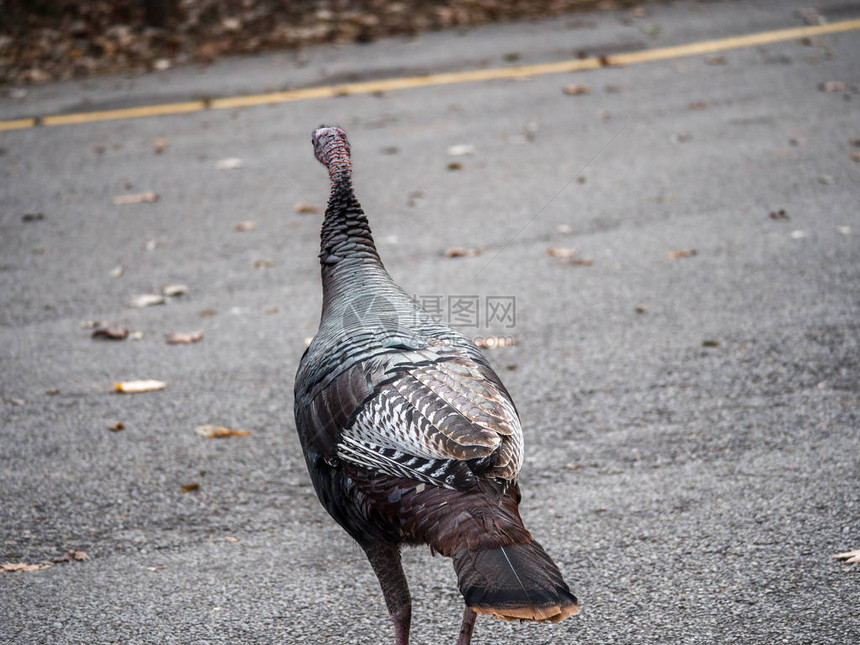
(332, 150)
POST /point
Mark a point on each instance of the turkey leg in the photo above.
(385, 561)
(467, 627)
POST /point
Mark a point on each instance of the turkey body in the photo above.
(409, 435)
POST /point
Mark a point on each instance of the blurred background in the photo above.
(46, 40)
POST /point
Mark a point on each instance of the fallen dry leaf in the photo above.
(682, 253)
(575, 88)
(639, 309)
(187, 488)
(579, 262)
(305, 207)
(559, 252)
(136, 387)
(184, 338)
(73, 556)
(230, 538)
(111, 333)
(173, 290)
(462, 252)
(778, 215)
(208, 313)
(850, 557)
(855, 156)
(454, 165)
(24, 566)
(832, 86)
(159, 568)
(147, 300)
(211, 431)
(247, 225)
(265, 263)
(32, 217)
(568, 256)
(493, 342)
(230, 163)
(460, 150)
(160, 144)
(135, 198)
(710, 343)
(116, 427)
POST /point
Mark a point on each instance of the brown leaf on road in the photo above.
(855, 156)
(184, 338)
(160, 144)
(111, 333)
(832, 86)
(190, 487)
(560, 252)
(681, 253)
(24, 566)
(116, 427)
(454, 165)
(462, 252)
(73, 556)
(579, 262)
(136, 387)
(568, 256)
(460, 150)
(246, 226)
(778, 215)
(211, 431)
(173, 290)
(850, 557)
(305, 208)
(147, 300)
(575, 88)
(32, 217)
(230, 163)
(135, 198)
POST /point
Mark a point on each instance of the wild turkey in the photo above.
(409, 435)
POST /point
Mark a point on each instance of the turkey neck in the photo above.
(347, 251)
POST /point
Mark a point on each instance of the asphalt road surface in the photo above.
(691, 419)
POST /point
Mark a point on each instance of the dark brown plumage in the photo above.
(409, 435)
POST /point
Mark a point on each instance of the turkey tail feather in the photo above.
(514, 582)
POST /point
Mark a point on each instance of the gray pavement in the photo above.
(691, 468)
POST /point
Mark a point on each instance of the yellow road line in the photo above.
(468, 76)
